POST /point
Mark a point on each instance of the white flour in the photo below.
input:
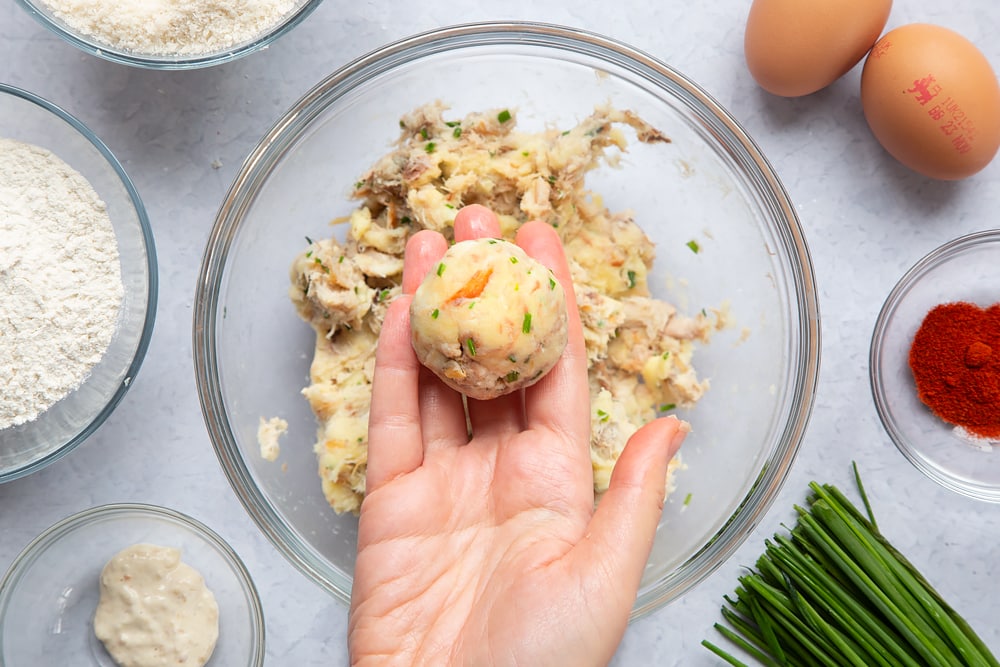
(60, 281)
(172, 27)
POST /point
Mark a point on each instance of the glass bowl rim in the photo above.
(53, 533)
(763, 490)
(152, 290)
(166, 62)
(900, 290)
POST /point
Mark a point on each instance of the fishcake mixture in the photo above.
(639, 348)
(155, 610)
(489, 320)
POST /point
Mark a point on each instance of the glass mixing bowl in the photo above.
(711, 185)
(92, 44)
(27, 447)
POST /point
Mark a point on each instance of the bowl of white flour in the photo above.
(170, 34)
(77, 282)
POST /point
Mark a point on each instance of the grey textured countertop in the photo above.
(182, 136)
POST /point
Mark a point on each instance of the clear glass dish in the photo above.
(44, 14)
(965, 269)
(51, 590)
(712, 184)
(28, 447)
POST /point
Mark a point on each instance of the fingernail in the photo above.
(683, 428)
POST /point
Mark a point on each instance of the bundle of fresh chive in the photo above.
(835, 593)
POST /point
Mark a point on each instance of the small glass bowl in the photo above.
(28, 447)
(49, 594)
(965, 269)
(44, 14)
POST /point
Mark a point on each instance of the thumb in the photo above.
(620, 535)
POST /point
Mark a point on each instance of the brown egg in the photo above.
(796, 47)
(932, 100)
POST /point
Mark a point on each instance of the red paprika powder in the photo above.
(955, 360)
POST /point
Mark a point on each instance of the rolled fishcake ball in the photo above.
(489, 319)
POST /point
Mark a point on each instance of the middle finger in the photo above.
(503, 415)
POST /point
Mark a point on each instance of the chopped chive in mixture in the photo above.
(513, 260)
(631, 279)
(693, 245)
(512, 359)
(604, 416)
(471, 345)
(405, 220)
(665, 355)
(667, 406)
(512, 376)
(552, 282)
(309, 240)
(687, 500)
(526, 324)
(340, 260)
(423, 133)
(457, 132)
(453, 123)
(440, 268)
(430, 147)
(503, 116)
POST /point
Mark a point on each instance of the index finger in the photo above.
(423, 250)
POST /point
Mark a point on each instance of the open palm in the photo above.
(488, 551)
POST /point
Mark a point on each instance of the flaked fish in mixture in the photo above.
(639, 348)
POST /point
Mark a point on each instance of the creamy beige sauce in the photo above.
(155, 610)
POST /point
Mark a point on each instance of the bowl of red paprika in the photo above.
(935, 365)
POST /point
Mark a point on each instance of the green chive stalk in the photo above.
(835, 593)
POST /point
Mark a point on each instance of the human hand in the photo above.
(489, 551)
